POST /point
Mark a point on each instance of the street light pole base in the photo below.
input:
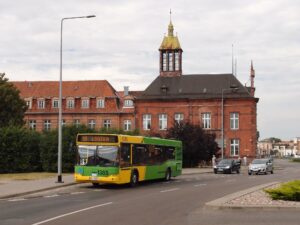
(59, 179)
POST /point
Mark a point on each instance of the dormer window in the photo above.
(41, 103)
(28, 103)
(85, 103)
(164, 89)
(70, 103)
(128, 103)
(55, 103)
(100, 103)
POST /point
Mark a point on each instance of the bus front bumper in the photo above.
(97, 179)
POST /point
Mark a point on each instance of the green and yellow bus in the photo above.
(121, 159)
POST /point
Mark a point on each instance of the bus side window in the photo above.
(140, 155)
(125, 155)
(170, 153)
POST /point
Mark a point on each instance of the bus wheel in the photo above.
(168, 175)
(96, 184)
(134, 179)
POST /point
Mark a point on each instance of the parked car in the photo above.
(260, 166)
(228, 166)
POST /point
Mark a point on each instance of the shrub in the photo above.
(288, 191)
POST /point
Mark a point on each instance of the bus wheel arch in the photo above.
(134, 178)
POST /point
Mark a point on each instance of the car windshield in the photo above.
(259, 161)
(225, 162)
(98, 155)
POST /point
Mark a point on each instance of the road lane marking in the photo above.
(173, 189)
(199, 185)
(71, 213)
(77, 193)
(17, 199)
(51, 196)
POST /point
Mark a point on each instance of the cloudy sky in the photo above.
(121, 45)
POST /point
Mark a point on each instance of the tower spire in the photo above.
(170, 27)
(252, 76)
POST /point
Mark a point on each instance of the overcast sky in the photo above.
(121, 45)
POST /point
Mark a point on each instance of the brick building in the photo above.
(200, 99)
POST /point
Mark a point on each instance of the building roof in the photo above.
(170, 42)
(199, 86)
(43, 89)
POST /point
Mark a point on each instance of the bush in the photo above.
(288, 191)
(19, 150)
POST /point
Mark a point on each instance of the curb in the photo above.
(3, 197)
(220, 203)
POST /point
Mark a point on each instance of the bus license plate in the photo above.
(94, 176)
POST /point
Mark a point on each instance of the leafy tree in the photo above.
(197, 144)
(12, 107)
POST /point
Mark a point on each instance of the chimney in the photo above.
(126, 90)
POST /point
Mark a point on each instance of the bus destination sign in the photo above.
(97, 138)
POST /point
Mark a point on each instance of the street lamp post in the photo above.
(232, 88)
(59, 158)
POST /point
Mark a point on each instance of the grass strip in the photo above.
(289, 191)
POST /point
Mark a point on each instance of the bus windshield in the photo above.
(98, 155)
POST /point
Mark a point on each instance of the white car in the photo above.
(260, 166)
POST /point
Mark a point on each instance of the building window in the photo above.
(178, 117)
(107, 124)
(28, 103)
(206, 120)
(32, 124)
(171, 68)
(92, 124)
(63, 123)
(70, 103)
(85, 103)
(234, 121)
(76, 122)
(47, 124)
(128, 103)
(41, 103)
(234, 147)
(162, 119)
(100, 103)
(164, 61)
(55, 103)
(146, 122)
(127, 125)
(176, 61)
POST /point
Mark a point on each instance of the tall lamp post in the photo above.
(232, 88)
(59, 160)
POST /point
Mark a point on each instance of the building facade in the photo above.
(217, 102)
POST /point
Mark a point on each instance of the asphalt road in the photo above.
(178, 202)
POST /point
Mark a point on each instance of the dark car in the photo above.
(228, 166)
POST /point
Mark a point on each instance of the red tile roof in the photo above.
(91, 88)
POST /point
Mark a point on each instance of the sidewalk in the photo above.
(12, 188)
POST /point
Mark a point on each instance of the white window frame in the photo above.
(206, 120)
(47, 125)
(28, 102)
(107, 123)
(171, 66)
(85, 103)
(176, 61)
(234, 121)
(164, 61)
(178, 117)
(70, 103)
(76, 122)
(41, 103)
(234, 147)
(55, 103)
(146, 121)
(127, 125)
(32, 124)
(92, 124)
(128, 103)
(162, 121)
(100, 103)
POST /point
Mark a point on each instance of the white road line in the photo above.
(17, 199)
(51, 196)
(77, 193)
(71, 213)
(199, 185)
(98, 190)
(173, 189)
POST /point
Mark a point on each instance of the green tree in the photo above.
(12, 107)
(197, 144)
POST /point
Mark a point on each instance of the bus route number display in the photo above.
(98, 138)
